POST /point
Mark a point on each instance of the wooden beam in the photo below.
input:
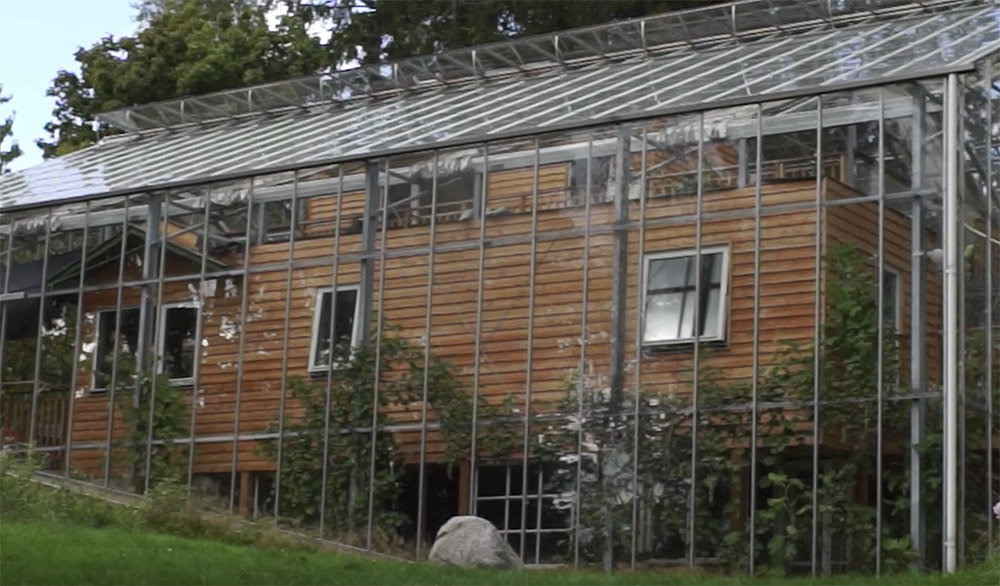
(246, 495)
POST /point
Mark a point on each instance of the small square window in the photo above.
(672, 297)
(128, 345)
(178, 343)
(342, 320)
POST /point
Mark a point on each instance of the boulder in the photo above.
(473, 542)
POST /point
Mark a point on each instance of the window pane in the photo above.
(455, 194)
(711, 327)
(662, 316)
(179, 344)
(343, 324)
(687, 310)
(712, 266)
(668, 273)
(890, 290)
(128, 336)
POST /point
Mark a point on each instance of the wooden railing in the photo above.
(51, 417)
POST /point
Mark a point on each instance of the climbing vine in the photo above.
(167, 459)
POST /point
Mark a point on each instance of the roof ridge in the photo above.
(694, 28)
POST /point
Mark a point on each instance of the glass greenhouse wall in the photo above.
(760, 335)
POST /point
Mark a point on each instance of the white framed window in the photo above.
(669, 296)
(105, 344)
(177, 343)
(342, 317)
(892, 304)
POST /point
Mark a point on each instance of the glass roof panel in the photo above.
(916, 40)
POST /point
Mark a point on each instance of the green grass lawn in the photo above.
(50, 553)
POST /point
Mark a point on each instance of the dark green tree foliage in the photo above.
(401, 375)
(371, 31)
(183, 47)
(192, 47)
(12, 151)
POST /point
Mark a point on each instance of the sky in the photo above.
(37, 39)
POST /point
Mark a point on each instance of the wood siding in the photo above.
(787, 298)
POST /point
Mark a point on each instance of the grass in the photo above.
(35, 552)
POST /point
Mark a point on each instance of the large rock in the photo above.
(473, 542)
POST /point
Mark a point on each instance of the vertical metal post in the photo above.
(283, 388)
(474, 445)
(198, 349)
(619, 264)
(39, 337)
(755, 344)
(817, 335)
(335, 257)
(159, 331)
(988, 342)
(538, 517)
(378, 337)
(3, 304)
(952, 330)
(428, 310)
(368, 228)
(880, 333)
(696, 356)
(148, 304)
(918, 333)
(742, 163)
(639, 297)
(77, 342)
(850, 161)
(241, 347)
(529, 350)
(584, 387)
(113, 382)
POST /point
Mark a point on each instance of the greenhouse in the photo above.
(718, 288)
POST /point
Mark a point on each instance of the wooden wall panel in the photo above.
(787, 296)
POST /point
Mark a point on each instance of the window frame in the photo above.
(317, 313)
(161, 333)
(94, 389)
(721, 336)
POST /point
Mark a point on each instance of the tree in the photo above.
(183, 47)
(7, 130)
(191, 47)
(371, 31)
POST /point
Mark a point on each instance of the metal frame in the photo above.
(554, 51)
(917, 202)
(290, 140)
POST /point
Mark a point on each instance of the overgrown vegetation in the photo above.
(337, 414)
(604, 486)
(657, 425)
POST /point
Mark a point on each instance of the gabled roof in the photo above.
(64, 268)
(904, 41)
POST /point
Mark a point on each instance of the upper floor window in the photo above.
(676, 307)
(341, 321)
(178, 342)
(105, 361)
